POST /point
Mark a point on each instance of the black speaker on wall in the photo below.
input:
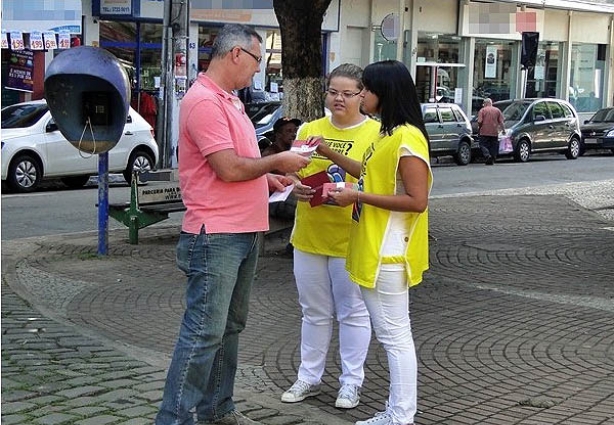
(530, 42)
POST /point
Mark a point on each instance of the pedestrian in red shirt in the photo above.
(490, 122)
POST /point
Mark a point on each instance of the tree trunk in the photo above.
(300, 24)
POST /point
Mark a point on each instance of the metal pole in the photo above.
(165, 88)
(103, 203)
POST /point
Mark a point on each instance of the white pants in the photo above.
(388, 306)
(325, 291)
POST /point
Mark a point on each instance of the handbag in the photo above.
(505, 145)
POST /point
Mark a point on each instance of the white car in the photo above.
(34, 149)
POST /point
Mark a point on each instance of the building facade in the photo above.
(457, 50)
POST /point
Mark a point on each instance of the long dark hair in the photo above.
(391, 82)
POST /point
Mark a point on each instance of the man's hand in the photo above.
(290, 162)
(277, 183)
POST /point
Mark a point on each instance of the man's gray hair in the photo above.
(231, 36)
(487, 101)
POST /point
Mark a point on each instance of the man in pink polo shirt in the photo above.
(225, 186)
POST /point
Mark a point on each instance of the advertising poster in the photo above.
(21, 64)
(490, 67)
(539, 72)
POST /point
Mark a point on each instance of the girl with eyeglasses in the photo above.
(320, 239)
(388, 247)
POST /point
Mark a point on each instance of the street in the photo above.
(55, 211)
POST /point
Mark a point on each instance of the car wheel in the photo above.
(75, 182)
(523, 151)
(463, 155)
(573, 150)
(24, 174)
(139, 161)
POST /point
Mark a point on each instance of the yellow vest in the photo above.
(369, 226)
(325, 229)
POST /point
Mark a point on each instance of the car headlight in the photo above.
(610, 133)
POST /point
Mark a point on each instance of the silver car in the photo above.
(449, 131)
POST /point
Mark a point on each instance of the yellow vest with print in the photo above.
(370, 224)
(325, 229)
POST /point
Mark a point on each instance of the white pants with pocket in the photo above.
(325, 291)
(388, 305)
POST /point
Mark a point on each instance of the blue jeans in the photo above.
(220, 269)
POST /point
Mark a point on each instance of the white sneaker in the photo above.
(299, 391)
(348, 397)
(380, 418)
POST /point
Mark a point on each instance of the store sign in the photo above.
(21, 65)
(116, 7)
(27, 16)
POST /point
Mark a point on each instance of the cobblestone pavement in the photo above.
(514, 323)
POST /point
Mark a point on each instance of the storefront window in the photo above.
(437, 67)
(586, 89)
(542, 79)
(384, 49)
(492, 72)
(206, 36)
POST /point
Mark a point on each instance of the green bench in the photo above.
(149, 204)
(153, 202)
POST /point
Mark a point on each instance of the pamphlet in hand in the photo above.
(316, 181)
(331, 187)
(305, 147)
(281, 196)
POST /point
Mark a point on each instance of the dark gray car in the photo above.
(598, 132)
(449, 131)
(542, 125)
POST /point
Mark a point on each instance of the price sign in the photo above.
(36, 41)
(64, 40)
(5, 41)
(50, 41)
(17, 40)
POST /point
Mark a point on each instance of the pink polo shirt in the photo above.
(211, 120)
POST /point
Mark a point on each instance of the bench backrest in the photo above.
(155, 193)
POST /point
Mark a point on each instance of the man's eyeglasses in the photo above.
(345, 94)
(256, 58)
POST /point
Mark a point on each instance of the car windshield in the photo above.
(515, 111)
(603, 115)
(22, 116)
(261, 113)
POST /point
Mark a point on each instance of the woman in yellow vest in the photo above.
(388, 248)
(320, 238)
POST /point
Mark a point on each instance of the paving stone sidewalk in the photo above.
(514, 323)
